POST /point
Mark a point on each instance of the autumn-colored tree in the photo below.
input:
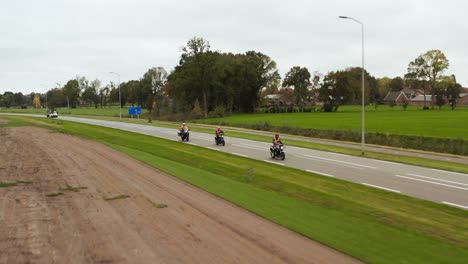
(36, 102)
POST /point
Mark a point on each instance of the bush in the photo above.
(219, 111)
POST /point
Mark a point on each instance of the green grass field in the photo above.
(414, 121)
(372, 225)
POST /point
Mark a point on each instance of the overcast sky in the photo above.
(44, 42)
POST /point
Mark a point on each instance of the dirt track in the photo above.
(82, 227)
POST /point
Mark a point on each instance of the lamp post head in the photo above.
(344, 17)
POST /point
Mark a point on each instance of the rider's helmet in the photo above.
(276, 136)
(183, 124)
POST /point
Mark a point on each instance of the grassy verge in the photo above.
(370, 224)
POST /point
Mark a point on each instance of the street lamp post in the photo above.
(362, 88)
(120, 100)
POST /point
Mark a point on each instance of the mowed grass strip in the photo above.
(370, 224)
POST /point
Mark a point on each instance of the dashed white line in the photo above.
(456, 173)
(277, 163)
(425, 177)
(380, 187)
(243, 146)
(330, 162)
(238, 154)
(338, 154)
(339, 161)
(447, 185)
(388, 162)
(456, 205)
(321, 173)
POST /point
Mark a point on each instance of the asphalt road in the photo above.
(445, 187)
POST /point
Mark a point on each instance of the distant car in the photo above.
(52, 114)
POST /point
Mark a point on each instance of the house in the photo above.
(419, 100)
(463, 100)
(278, 99)
(396, 97)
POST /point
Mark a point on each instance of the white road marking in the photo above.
(456, 173)
(238, 154)
(321, 173)
(212, 148)
(277, 163)
(350, 163)
(330, 162)
(456, 205)
(194, 144)
(203, 138)
(457, 187)
(425, 177)
(338, 154)
(249, 145)
(379, 187)
(242, 146)
(388, 162)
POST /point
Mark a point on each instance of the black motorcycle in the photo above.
(184, 134)
(277, 152)
(219, 139)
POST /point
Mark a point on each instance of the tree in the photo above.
(299, 78)
(7, 99)
(427, 69)
(231, 81)
(71, 91)
(396, 84)
(259, 71)
(384, 85)
(36, 101)
(449, 90)
(90, 92)
(335, 90)
(56, 98)
(152, 82)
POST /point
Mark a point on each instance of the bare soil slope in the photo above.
(83, 227)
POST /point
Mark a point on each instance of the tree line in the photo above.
(211, 82)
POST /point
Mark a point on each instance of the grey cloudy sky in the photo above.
(43, 42)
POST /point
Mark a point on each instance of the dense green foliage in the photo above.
(345, 87)
(370, 224)
(232, 81)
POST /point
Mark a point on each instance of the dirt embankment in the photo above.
(83, 227)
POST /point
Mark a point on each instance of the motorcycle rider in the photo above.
(276, 142)
(184, 127)
(218, 132)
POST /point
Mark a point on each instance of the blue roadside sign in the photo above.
(135, 110)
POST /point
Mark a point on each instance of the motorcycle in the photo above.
(277, 152)
(219, 140)
(184, 134)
